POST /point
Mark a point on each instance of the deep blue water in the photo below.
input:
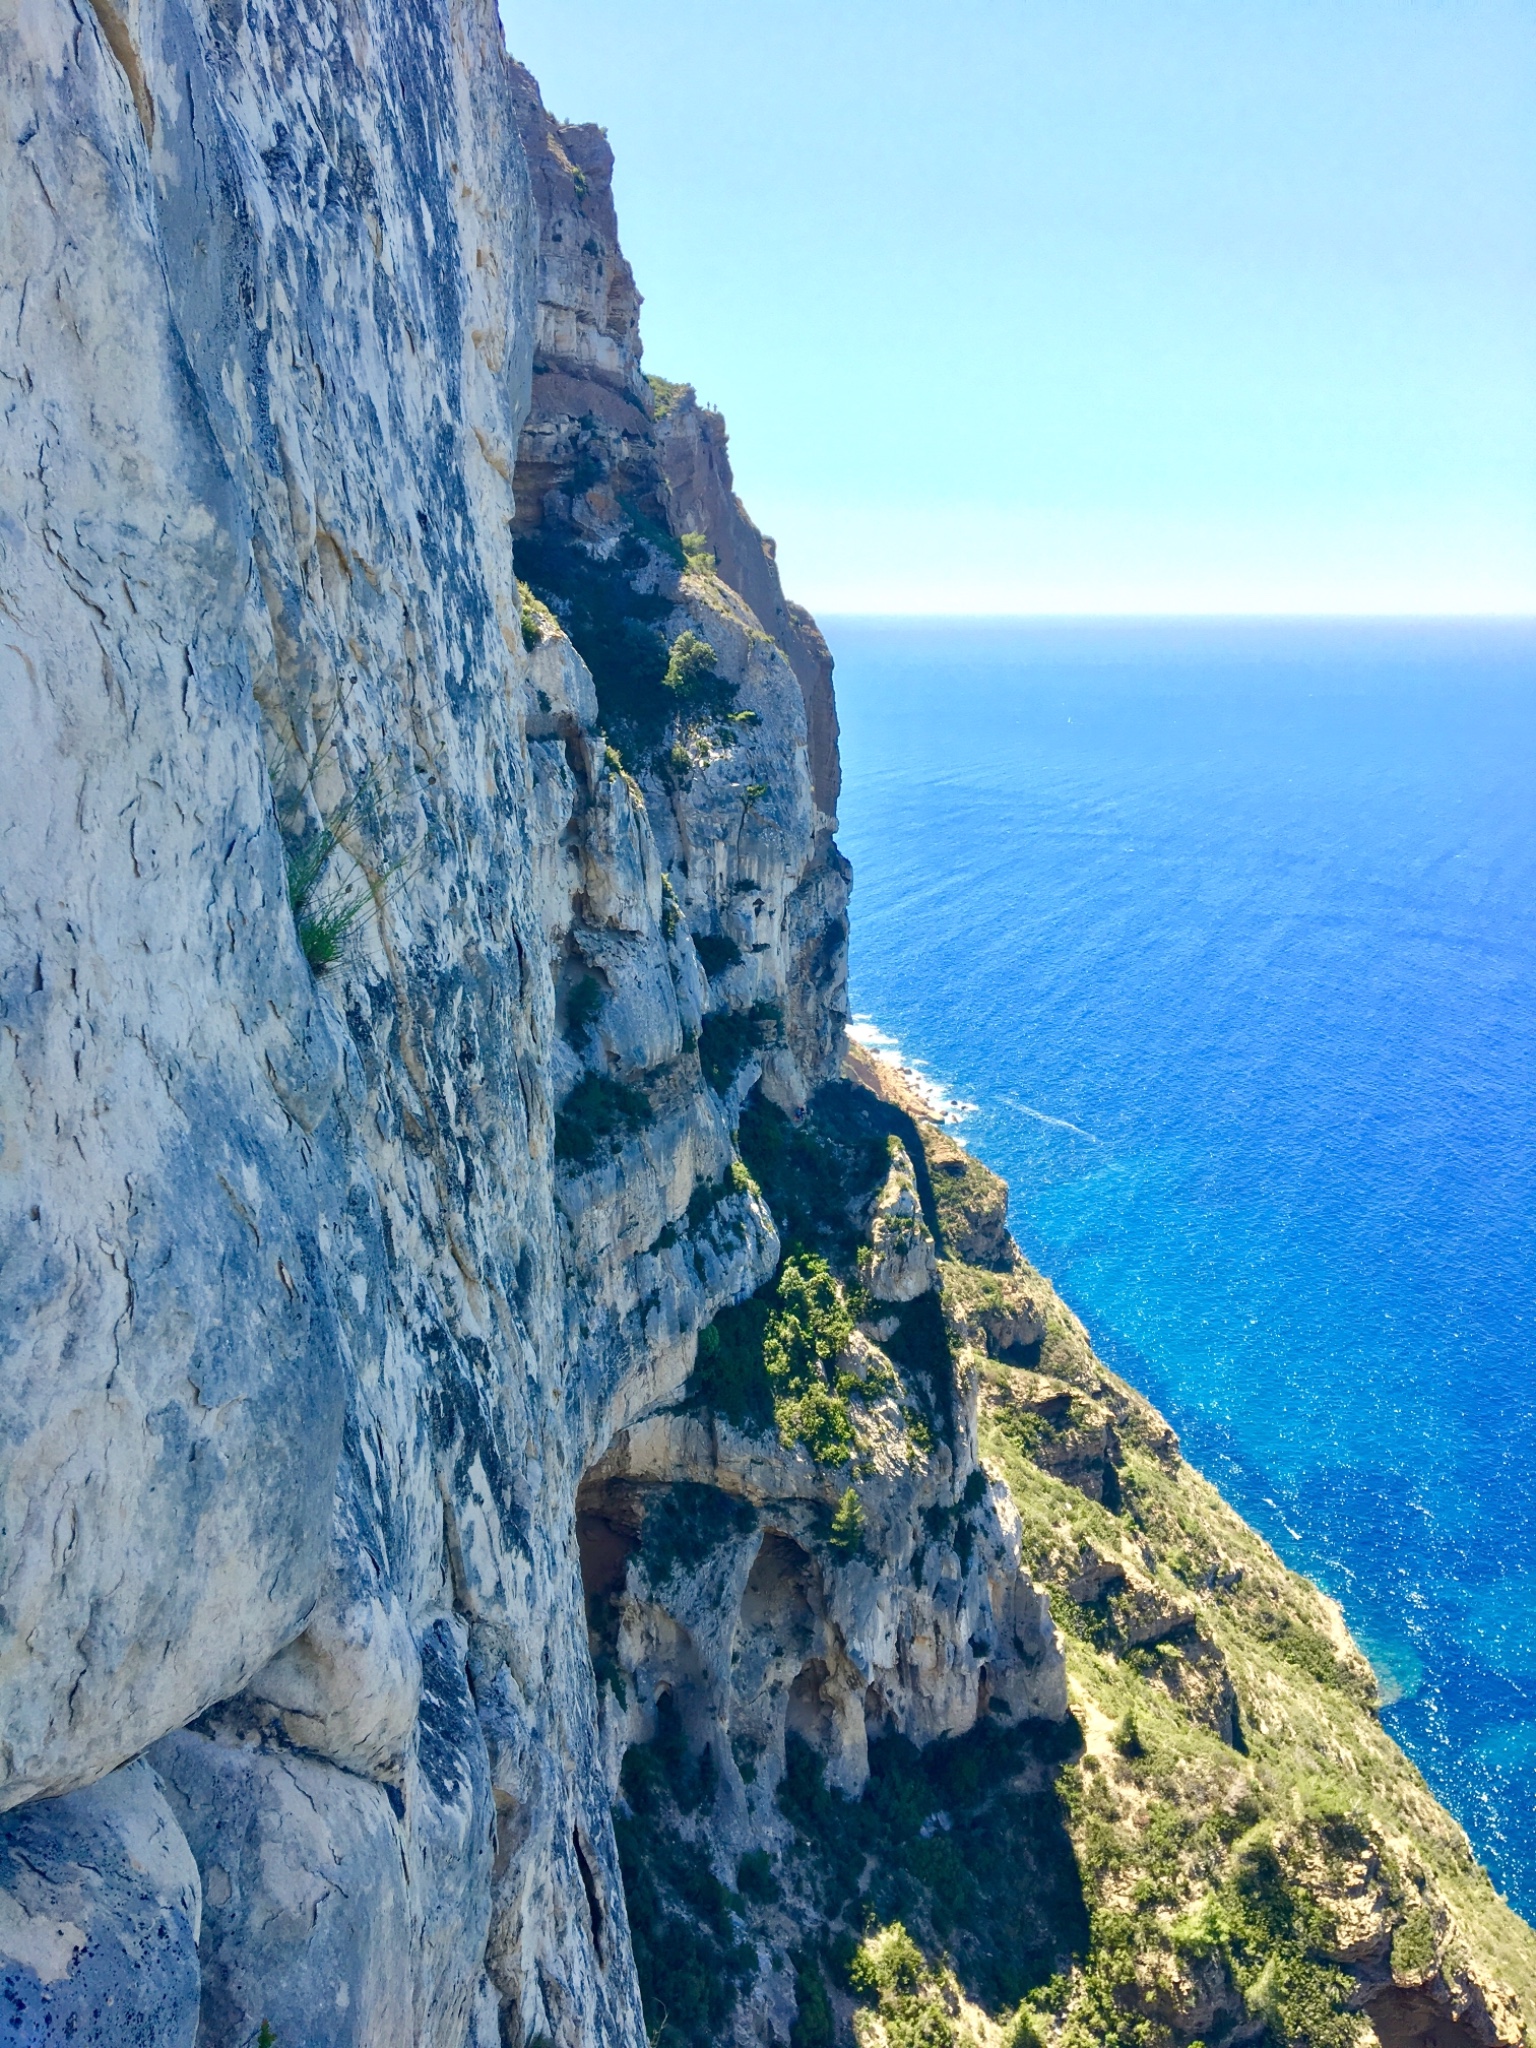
(1253, 907)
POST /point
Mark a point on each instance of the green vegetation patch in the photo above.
(597, 1111)
(614, 627)
(768, 1361)
(529, 620)
(326, 914)
(690, 674)
(814, 2026)
(808, 1326)
(969, 1201)
(730, 1038)
(963, 1843)
(847, 1532)
(664, 394)
(921, 1348)
(684, 1523)
(813, 1174)
(682, 1919)
(583, 1006)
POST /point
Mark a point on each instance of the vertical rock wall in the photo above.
(380, 986)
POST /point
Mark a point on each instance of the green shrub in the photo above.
(582, 1008)
(664, 394)
(323, 931)
(767, 1360)
(706, 1197)
(807, 1329)
(716, 953)
(1127, 1736)
(888, 1967)
(888, 1960)
(690, 672)
(325, 919)
(816, 1174)
(1306, 2002)
(696, 548)
(729, 1039)
(997, 1888)
(1413, 1945)
(528, 617)
(729, 1377)
(1309, 1650)
(597, 1110)
(1023, 2030)
(848, 1524)
(613, 626)
(755, 1879)
(813, 2026)
(690, 1965)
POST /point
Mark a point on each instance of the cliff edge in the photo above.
(520, 1508)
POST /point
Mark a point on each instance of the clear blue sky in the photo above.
(1091, 305)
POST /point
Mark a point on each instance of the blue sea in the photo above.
(1228, 931)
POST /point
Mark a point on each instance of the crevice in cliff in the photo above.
(589, 1886)
(120, 41)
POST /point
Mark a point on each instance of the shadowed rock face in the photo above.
(604, 445)
(99, 1910)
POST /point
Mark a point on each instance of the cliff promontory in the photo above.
(537, 1503)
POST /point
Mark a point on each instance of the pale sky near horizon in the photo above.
(1076, 306)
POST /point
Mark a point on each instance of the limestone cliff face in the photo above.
(390, 954)
(495, 1542)
(604, 444)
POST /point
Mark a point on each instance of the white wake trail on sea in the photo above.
(1057, 1122)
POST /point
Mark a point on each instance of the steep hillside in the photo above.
(1258, 1859)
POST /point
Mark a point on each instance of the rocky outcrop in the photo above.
(495, 1544)
(608, 453)
(100, 1905)
(389, 951)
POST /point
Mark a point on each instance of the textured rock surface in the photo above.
(99, 1905)
(470, 1367)
(324, 1288)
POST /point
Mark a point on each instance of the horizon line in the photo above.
(1228, 618)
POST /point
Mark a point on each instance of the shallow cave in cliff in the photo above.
(776, 1637)
(807, 1712)
(608, 1518)
(777, 1596)
(1404, 2018)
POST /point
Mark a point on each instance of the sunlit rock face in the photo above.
(489, 1419)
(381, 989)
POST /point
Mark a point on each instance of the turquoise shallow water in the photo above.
(1253, 909)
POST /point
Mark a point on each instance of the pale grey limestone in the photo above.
(99, 1908)
(310, 1338)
